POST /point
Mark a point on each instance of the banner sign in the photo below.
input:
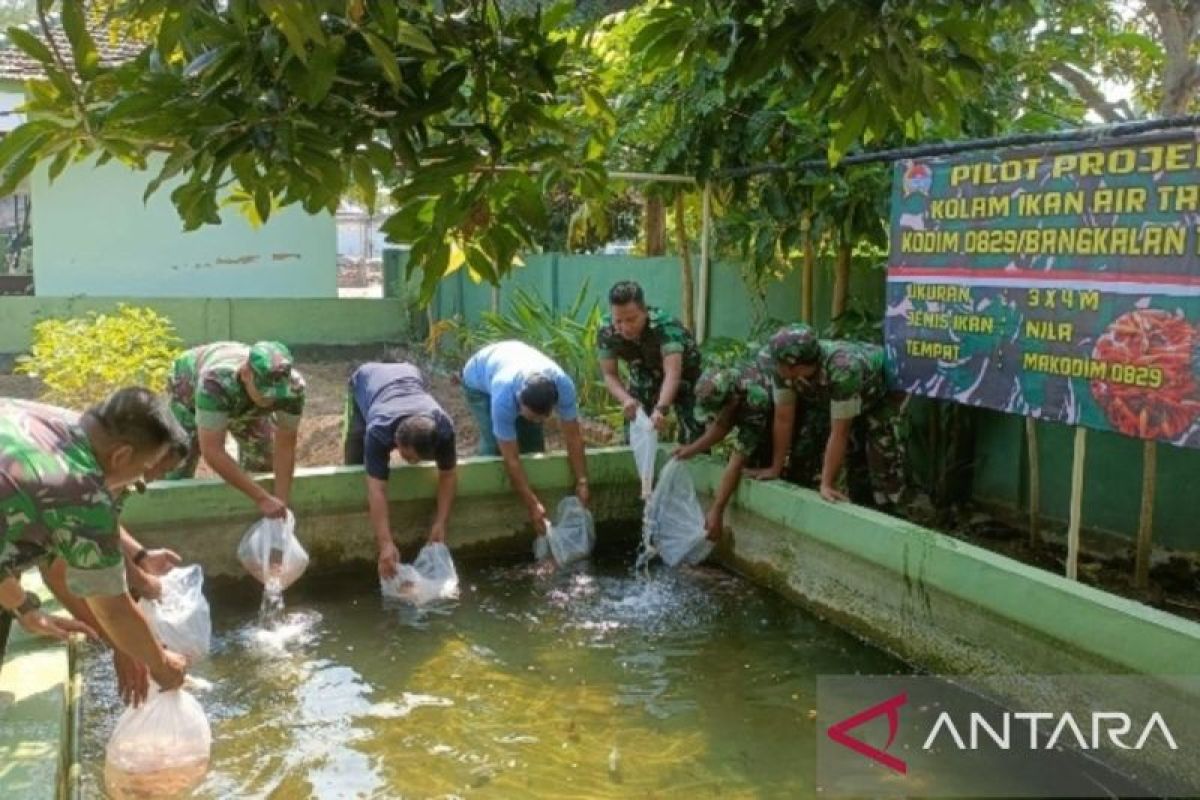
(1058, 282)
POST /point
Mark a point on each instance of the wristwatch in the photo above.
(662, 409)
(31, 603)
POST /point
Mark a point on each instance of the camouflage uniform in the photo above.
(53, 501)
(205, 392)
(749, 387)
(849, 382)
(662, 336)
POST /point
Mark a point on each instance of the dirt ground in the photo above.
(1174, 582)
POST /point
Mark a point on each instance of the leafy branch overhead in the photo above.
(466, 115)
(298, 101)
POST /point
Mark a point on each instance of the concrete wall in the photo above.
(203, 320)
(204, 520)
(93, 235)
(953, 608)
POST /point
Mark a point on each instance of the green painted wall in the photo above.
(735, 308)
(330, 321)
(1112, 478)
(93, 235)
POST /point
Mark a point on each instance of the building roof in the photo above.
(15, 65)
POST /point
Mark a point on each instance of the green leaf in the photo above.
(364, 178)
(386, 58)
(31, 45)
(83, 49)
(321, 70)
(412, 36)
(20, 150)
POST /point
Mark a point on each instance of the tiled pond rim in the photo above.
(940, 603)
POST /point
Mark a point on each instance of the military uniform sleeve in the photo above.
(288, 412)
(781, 393)
(212, 403)
(846, 378)
(606, 341)
(91, 548)
(672, 336)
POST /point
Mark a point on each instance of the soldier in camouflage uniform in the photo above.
(661, 355)
(252, 392)
(61, 476)
(865, 419)
(732, 399)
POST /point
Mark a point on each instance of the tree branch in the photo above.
(1088, 92)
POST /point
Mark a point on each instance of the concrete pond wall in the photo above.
(941, 604)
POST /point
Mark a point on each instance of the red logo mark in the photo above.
(838, 732)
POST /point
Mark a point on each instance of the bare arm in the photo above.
(447, 486)
(835, 456)
(212, 447)
(511, 454)
(612, 381)
(129, 632)
(672, 370)
(377, 509)
(713, 434)
(781, 439)
(285, 462)
(725, 489)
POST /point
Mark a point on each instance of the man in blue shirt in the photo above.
(512, 389)
(389, 406)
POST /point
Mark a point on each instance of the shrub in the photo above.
(83, 359)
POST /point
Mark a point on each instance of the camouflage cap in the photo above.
(794, 345)
(713, 392)
(271, 365)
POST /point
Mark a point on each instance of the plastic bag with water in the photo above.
(180, 617)
(643, 439)
(569, 539)
(160, 749)
(430, 577)
(674, 522)
(271, 552)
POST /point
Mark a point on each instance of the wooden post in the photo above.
(1141, 570)
(841, 279)
(1035, 482)
(688, 302)
(809, 269)
(705, 234)
(655, 221)
(1076, 503)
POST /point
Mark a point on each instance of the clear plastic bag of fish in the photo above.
(643, 440)
(160, 749)
(570, 538)
(180, 617)
(429, 578)
(674, 520)
(271, 552)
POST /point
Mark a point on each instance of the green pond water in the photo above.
(588, 683)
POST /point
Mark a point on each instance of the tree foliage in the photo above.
(285, 102)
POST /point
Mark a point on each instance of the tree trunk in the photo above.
(1178, 28)
(841, 278)
(685, 265)
(809, 270)
(656, 226)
